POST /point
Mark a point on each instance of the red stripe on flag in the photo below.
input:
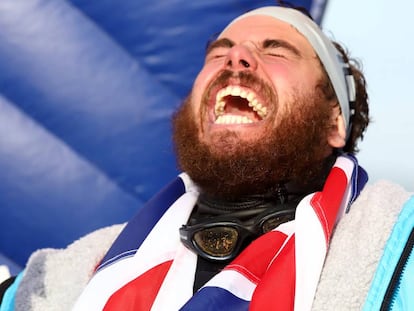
(265, 248)
(330, 198)
(276, 291)
(140, 293)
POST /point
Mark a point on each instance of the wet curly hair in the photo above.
(359, 109)
(360, 118)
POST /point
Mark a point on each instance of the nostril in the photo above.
(244, 63)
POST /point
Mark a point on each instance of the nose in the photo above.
(240, 58)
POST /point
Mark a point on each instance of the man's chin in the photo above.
(222, 144)
(231, 138)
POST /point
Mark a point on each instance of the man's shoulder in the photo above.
(357, 246)
(374, 212)
(382, 191)
(373, 216)
(55, 277)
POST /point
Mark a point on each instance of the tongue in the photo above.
(239, 106)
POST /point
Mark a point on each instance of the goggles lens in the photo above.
(217, 241)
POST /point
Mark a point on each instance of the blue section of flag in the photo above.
(358, 180)
(215, 298)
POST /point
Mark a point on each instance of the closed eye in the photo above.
(275, 54)
(270, 46)
(217, 54)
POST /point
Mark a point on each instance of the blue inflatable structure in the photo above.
(87, 90)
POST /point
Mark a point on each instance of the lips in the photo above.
(238, 105)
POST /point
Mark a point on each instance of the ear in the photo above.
(337, 137)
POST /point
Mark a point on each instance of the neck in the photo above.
(284, 195)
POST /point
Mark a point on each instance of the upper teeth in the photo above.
(238, 91)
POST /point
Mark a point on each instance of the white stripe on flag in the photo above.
(177, 287)
(310, 252)
(347, 166)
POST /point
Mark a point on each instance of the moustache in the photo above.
(246, 79)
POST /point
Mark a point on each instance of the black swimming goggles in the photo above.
(222, 239)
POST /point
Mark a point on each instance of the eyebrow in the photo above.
(220, 43)
(277, 43)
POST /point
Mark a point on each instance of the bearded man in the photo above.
(266, 139)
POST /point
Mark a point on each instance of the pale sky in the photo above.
(381, 35)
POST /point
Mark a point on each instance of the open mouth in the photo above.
(236, 105)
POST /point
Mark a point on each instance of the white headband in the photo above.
(338, 71)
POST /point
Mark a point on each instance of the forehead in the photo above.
(257, 28)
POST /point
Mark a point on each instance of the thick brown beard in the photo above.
(295, 151)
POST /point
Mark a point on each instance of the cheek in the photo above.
(288, 81)
(200, 84)
(202, 81)
(297, 75)
(285, 85)
(283, 78)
